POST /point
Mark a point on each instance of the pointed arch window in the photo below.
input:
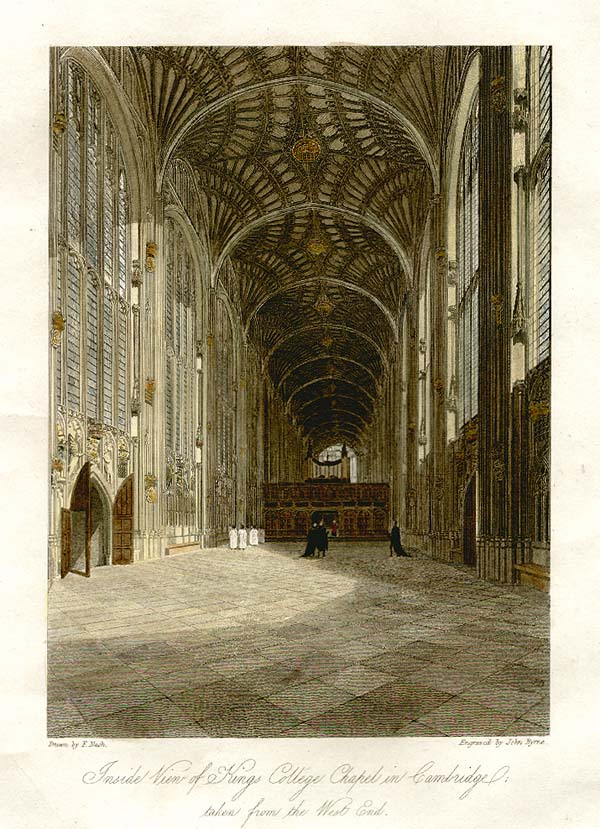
(180, 373)
(542, 208)
(92, 223)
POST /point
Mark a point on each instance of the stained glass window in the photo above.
(179, 332)
(542, 211)
(94, 198)
(93, 346)
(74, 335)
(542, 261)
(107, 362)
(122, 371)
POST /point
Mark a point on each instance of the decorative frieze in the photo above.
(538, 408)
(471, 433)
(136, 273)
(59, 123)
(151, 252)
(57, 328)
(520, 110)
(123, 458)
(440, 260)
(498, 94)
(150, 490)
(452, 273)
(498, 467)
(149, 391)
(498, 304)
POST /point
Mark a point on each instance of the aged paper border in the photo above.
(550, 786)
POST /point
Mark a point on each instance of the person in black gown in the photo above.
(311, 541)
(395, 542)
(322, 540)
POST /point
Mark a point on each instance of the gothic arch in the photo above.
(306, 80)
(363, 218)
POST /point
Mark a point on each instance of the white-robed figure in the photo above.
(261, 535)
(242, 538)
(253, 537)
(233, 538)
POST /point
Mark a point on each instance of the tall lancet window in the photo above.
(92, 252)
(180, 372)
(542, 206)
(467, 214)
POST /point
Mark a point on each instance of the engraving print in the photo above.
(299, 347)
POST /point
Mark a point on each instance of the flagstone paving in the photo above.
(261, 643)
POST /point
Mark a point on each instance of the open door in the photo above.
(470, 525)
(65, 542)
(80, 525)
(122, 552)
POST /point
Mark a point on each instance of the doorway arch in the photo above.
(85, 526)
(470, 523)
(99, 524)
(75, 548)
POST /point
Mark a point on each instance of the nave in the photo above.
(295, 284)
(258, 643)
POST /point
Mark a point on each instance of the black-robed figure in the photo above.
(322, 540)
(312, 539)
(395, 542)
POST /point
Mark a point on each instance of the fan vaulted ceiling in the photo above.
(320, 235)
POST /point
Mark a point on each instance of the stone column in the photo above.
(495, 556)
(412, 425)
(151, 462)
(242, 434)
(439, 323)
(210, 447)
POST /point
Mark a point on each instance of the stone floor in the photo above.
(260, 643)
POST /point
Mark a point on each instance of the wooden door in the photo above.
(470, 525)
(79, 524)
(123, 524)
(65, 542)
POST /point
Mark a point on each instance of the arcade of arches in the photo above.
(264, 256)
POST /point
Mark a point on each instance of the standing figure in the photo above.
(322, 540)
(395, 542)
(261, 535)
(311, 541)
(334, 528)
(242, 538)
(233, 538)
(253, 536)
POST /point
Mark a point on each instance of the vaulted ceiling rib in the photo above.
(319, 235)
